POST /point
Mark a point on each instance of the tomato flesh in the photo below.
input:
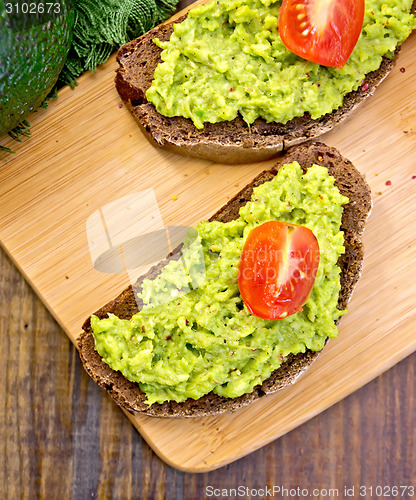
(321, 31)
(277, 269)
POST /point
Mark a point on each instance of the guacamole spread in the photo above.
(227, 58)
(194, 335)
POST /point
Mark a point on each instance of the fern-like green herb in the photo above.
(102, 27)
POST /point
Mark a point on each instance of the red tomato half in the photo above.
(277, 269)
(321, 31)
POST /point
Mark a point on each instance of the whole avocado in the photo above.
(34, 43)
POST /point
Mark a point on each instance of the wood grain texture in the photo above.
(69, 154)
(61, 437)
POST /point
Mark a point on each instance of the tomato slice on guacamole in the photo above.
(277, 269)
(321, 31)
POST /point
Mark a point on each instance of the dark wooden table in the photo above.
(61, 436)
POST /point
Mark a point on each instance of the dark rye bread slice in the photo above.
(227, 142)
(128, 394)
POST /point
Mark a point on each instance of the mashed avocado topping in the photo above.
(227, 58)
(194, 335)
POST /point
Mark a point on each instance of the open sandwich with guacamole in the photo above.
(267, 280)
(219, 83)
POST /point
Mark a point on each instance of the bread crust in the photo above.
(128, 394)
(230, 141)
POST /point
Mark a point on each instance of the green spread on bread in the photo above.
(195, 334)
(227, 58)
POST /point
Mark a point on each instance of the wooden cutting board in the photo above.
(86, 152)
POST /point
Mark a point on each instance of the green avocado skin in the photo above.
(33, 50)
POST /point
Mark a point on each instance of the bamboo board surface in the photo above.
(86, 151)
